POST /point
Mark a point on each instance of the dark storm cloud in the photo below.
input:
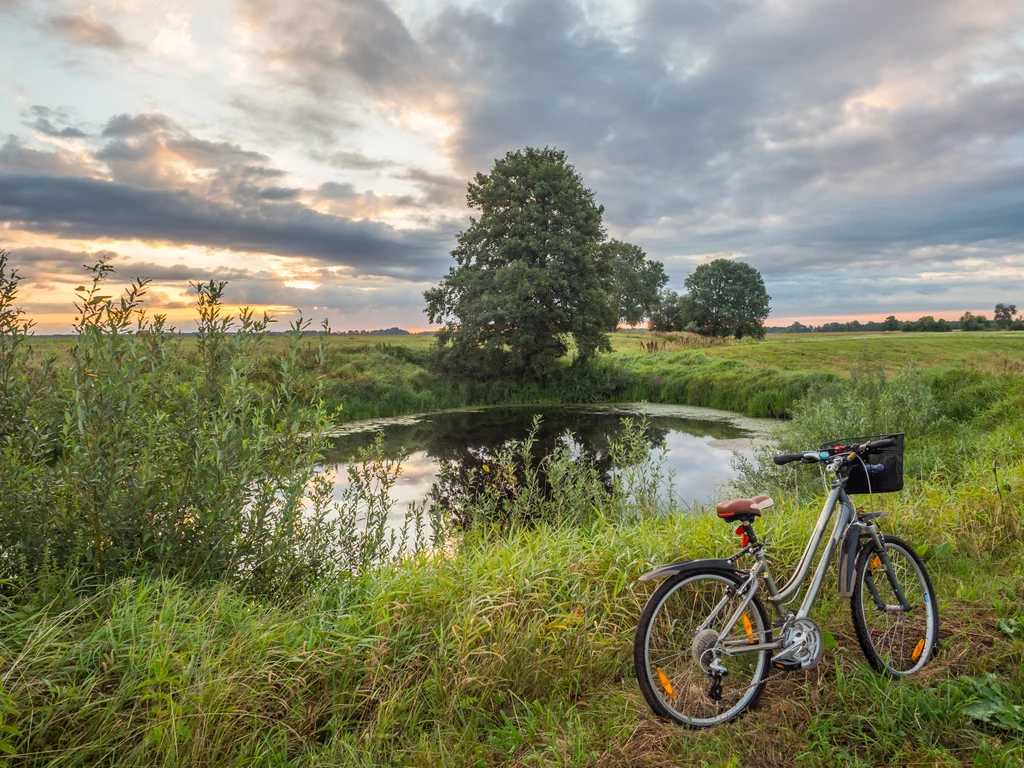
(92, 208)
(87, 29)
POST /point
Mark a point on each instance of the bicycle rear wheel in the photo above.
(672, 650)
(895, 642)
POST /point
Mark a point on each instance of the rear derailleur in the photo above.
(716, 671)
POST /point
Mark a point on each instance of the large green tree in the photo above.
(530, 272)
(638, 281)
(729, 298)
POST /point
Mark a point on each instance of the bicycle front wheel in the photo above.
(895, 642)
(677, 637)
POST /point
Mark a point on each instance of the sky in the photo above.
(867, 156)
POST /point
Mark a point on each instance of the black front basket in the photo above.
(889, 480)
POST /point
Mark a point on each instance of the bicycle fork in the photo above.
(883, 555)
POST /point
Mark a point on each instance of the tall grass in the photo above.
(138, 456)
(514, 650)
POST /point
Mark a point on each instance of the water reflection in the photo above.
(449, 453)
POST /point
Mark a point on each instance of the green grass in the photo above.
(513, 647)
(517, 651)
(837, 352)
(758, 378)
(391, 376)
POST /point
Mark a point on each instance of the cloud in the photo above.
(152, 180)
(121, 126)
(348, 302)
(84, 208)
(352, 161)
(437, 189)
(17, 158)
(858, 141)
(87, 28)
(44, 119)
(744, 122)
(327, 46)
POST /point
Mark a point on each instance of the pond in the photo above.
(696, 444)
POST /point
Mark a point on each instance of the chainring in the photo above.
(803, 645)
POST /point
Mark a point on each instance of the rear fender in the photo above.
(692, 566)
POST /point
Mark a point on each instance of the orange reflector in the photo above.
(663, 679)
(876, 562)
(750, 630)
(917, 650)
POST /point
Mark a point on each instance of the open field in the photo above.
(379, 376)
(838, 352)
(759, 378)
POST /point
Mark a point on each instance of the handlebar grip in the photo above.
(786, 458)
(883, 443)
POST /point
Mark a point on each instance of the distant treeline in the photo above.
(382, 332)
(1005, 317)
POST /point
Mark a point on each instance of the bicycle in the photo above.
(704, 647)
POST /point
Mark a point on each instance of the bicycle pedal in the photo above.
(786, 665)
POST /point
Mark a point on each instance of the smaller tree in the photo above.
(729, 298)
(1003, 315)
(971, 322)
(672, 312)
(638, 280)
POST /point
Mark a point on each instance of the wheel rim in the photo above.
(675, 676)
(902, 641)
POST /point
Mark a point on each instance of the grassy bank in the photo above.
(757, 378)
(514, 647)
(392, 376)
(514, 652)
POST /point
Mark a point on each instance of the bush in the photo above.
(148, 454)
(869, 403)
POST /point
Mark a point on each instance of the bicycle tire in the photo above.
(641, 658)
(902, 656)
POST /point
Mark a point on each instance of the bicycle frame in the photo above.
(779, 598)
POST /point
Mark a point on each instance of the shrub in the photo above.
(868, 403)
(145, 453)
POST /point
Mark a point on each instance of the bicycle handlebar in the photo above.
(824, 454)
